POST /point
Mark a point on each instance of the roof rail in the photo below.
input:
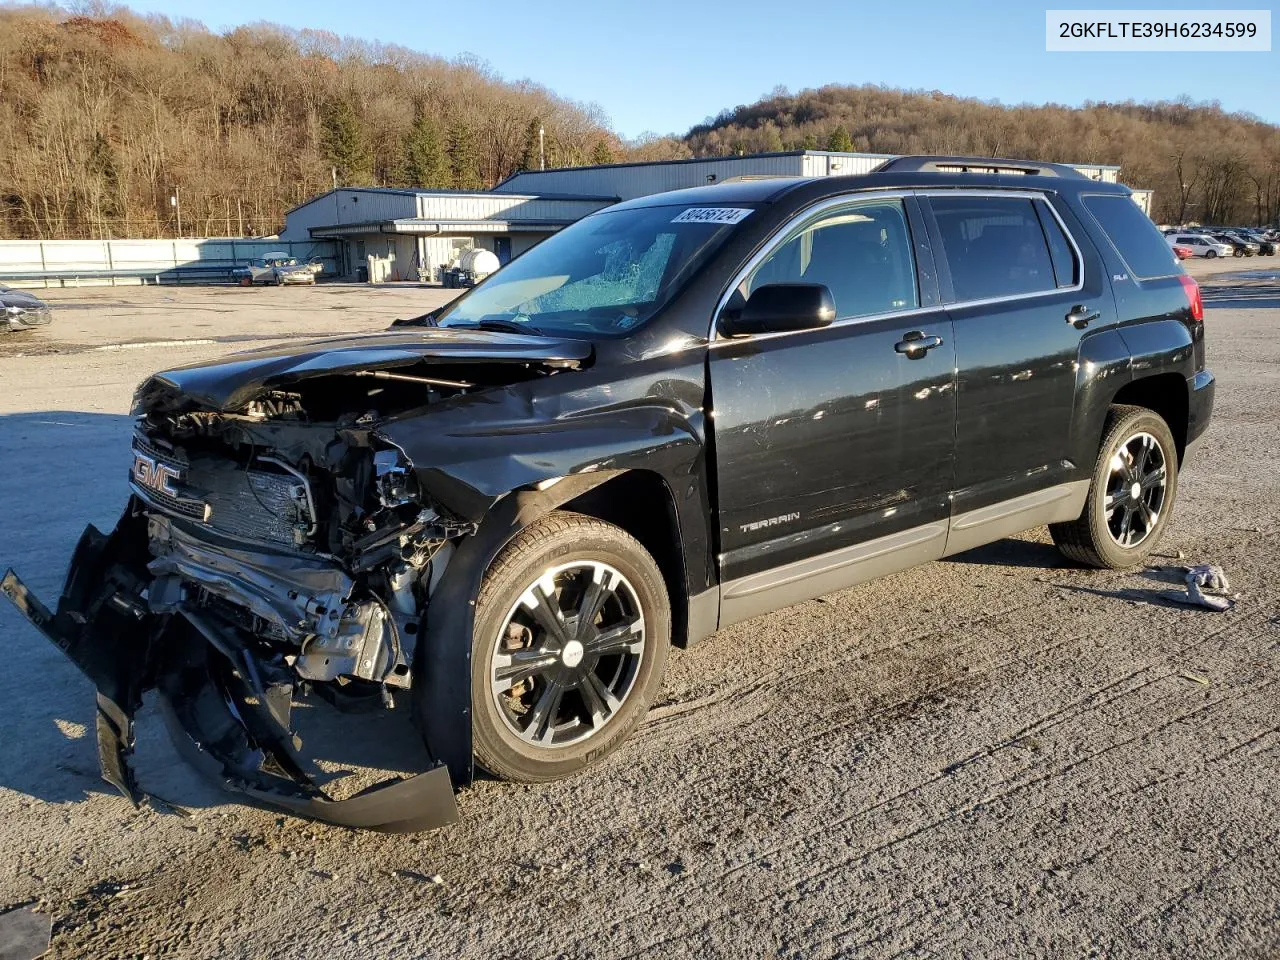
(985, 165)
(744, 177)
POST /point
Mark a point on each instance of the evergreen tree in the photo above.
(102, 164)
(601, 153)
(840, 140)
(426, 163)
(344, 145)
(464, 158)
(531, 159)
(810, 142)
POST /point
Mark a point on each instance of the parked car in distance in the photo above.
(1252, 243)
(1239, 246)
(1200, 245)
(1266, 247)
(1182, 253)
(504, 510)
(275, 269)
(20, 310)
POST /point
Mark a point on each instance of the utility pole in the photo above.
(542, 151)
(175, 201)
(333, 172)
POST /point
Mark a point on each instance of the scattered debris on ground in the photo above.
(1207, 586)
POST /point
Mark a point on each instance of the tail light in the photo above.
(1192, 290)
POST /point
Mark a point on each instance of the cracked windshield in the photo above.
(604, 275)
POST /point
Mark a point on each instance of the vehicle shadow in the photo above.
(66, 470)
(1013, 553)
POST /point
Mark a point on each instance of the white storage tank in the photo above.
(479, 262)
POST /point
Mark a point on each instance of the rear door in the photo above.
(833, 446)
(1022, 293)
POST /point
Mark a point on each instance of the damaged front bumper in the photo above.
(227, 710)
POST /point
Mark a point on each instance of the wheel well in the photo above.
(1166, 394)
(640, 502)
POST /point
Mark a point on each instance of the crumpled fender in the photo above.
(468, 455)
(442, 660)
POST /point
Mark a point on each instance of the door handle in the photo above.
(1081, 316)
(915, 344)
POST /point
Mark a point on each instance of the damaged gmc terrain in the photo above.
(680, 412)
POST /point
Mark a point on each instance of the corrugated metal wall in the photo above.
(821, 164)
(502, 207)
(89, 262)
(348, 206)
(640, 180)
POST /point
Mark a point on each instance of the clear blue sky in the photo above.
(661, 65)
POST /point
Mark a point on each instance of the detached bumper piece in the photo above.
(228, 711)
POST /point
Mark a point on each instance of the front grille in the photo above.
(262, 503)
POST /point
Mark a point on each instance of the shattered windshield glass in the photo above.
(606, 274)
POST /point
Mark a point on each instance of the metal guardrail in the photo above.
(204, 260)
(172, 274)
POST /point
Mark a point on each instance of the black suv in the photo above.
(678, 413)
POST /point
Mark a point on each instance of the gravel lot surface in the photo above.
(997, 755)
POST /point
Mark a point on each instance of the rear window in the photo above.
(1140, 245)
(995, 246)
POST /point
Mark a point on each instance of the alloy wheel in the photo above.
(1135, 490)
(568, 654)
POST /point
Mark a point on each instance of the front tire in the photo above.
(1131, 495)
(570, 645)
(1211, 254)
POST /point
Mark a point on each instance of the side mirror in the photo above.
(781, 307)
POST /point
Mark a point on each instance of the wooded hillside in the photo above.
(107, 117)
(104, 116)
(1204, 164)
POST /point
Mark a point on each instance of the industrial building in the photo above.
(385, 234)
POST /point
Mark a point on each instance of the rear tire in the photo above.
(549, 701)
(1131, 495)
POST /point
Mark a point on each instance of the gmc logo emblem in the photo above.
(153, 475)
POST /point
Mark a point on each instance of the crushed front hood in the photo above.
(230, 383)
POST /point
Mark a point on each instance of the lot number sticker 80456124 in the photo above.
(718, 215)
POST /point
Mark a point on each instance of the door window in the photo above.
(995, 246)
(861, 252)
(1066, 265)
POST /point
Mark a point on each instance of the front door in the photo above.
(833, 447)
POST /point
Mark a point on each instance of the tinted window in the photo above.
(995, 246)
(1066, 267)
(1133, 235)
(861, 252)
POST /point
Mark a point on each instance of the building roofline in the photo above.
(851, 154)
(433, 192)
(408, 225)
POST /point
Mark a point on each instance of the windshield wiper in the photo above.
(505, 326)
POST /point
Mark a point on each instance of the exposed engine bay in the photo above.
(310, 537)
(277, 545)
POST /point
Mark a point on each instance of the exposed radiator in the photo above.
(264, 503)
